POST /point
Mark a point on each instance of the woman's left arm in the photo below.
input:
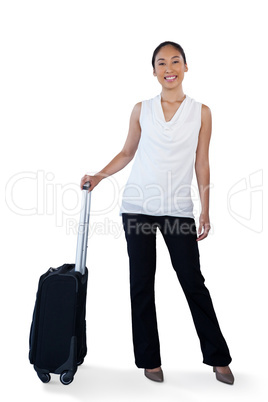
(202, 170)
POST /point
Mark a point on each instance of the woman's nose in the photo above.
(168, 68)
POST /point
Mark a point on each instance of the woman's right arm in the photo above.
(124, 156)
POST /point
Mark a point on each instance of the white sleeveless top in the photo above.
(161, 175)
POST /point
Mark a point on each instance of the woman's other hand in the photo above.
(204, 224)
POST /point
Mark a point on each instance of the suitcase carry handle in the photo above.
(82, 238)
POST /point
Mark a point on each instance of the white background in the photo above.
(71, 72)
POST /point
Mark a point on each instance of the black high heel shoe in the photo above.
(226, 378)
(157, 376)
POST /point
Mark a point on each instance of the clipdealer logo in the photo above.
(36, 193)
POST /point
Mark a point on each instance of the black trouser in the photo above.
(180, 237)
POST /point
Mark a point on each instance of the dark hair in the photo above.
(176, 45)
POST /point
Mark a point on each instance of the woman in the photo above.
(167, 132)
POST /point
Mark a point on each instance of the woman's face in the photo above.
(169, 67)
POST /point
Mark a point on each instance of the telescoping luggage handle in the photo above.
(81, 250)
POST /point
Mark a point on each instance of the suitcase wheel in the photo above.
(66, 378)
(44, 377)
(80, 362)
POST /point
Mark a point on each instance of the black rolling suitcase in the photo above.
(58, 330)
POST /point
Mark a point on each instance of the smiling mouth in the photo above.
(170, 78)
